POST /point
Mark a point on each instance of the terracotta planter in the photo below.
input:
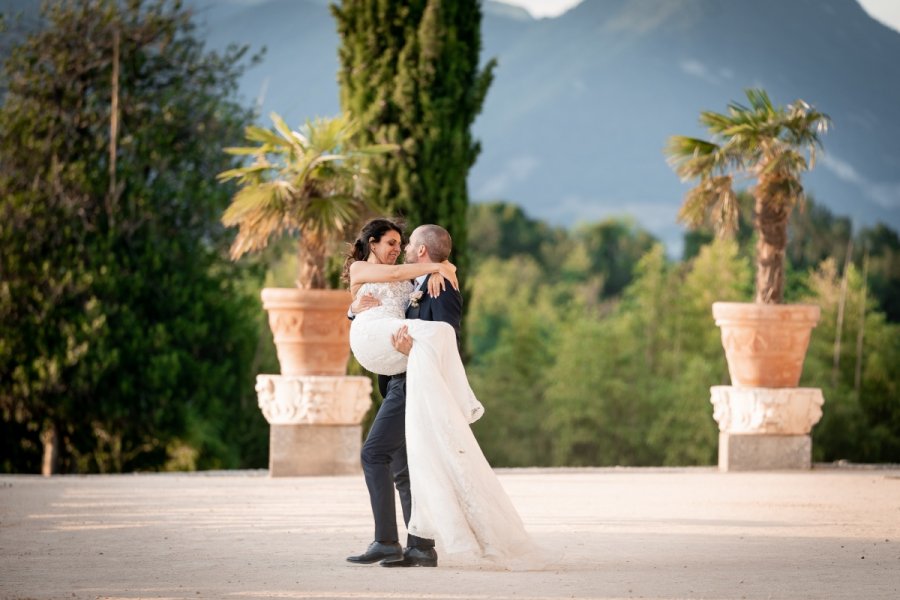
(765, 344)
(311, 329)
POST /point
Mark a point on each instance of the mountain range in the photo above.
(581, 106)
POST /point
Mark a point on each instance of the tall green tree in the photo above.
(503, 230)
(614, 247)
(127, 337)
(410, 73)
(880, 247)
(854, 360)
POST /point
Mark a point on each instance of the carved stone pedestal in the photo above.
(765, 428)
(314, 422)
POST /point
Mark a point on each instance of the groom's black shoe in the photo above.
(383, 551)
(414, 557)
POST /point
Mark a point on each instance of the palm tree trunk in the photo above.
(311, 262)
(771, 223)
(50, 440)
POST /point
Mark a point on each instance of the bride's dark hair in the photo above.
(370, 232)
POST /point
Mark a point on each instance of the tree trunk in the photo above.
(839, 327)
(311, 262)
(113, 134)
(857, 378)
(771, 223)
(50, 439)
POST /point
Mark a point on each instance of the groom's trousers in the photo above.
(384, 465)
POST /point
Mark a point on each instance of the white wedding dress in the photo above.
(457, 499)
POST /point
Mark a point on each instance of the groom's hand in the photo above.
(401, 340)
(364, 303)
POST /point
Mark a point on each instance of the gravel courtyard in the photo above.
(614, 533)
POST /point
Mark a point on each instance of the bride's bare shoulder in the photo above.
(357, 271)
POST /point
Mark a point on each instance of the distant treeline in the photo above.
(591, 347)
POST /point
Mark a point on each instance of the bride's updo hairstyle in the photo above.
(370, 232)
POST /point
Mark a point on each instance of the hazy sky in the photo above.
(886, 11)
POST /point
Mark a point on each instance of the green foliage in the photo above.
(410, 73)
(816, 234)
(309, 182)
(598, 411)
(570, 376)
(613, 248)
(503, 230)
(861, 420)
(127, 339)
(624, 376)
(881, 246)
(513, 376)
(597, 258)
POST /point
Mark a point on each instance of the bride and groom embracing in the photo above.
(406, 323)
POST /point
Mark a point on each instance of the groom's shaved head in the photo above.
(436, 240)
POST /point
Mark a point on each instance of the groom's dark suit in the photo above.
(384, 452)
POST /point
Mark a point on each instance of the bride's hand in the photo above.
(436, 285)
(448, 271)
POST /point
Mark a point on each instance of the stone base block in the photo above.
(314, 450)
(762, 452)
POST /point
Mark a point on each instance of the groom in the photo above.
(384, 452)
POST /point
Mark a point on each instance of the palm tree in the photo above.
(309, 182)
(760, 141)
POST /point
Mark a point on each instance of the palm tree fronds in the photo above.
(787, 162)
(284, 131)
(332, 212)
(712, 201)
(243, 150)
(266, 136)
(760, 101)
(692, 157)
(245, 174)
(309, 181)
(248, 202)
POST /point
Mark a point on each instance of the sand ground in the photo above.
(615, 533)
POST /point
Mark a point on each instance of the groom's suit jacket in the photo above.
(446, 307)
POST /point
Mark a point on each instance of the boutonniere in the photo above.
(414, 298)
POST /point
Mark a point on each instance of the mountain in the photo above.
(574, 124)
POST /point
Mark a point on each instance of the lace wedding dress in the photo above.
(456, 497)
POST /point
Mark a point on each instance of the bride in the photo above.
(456, 497)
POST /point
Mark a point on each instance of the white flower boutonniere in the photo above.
(414, 298)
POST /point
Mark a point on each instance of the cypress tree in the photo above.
(410, 74)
